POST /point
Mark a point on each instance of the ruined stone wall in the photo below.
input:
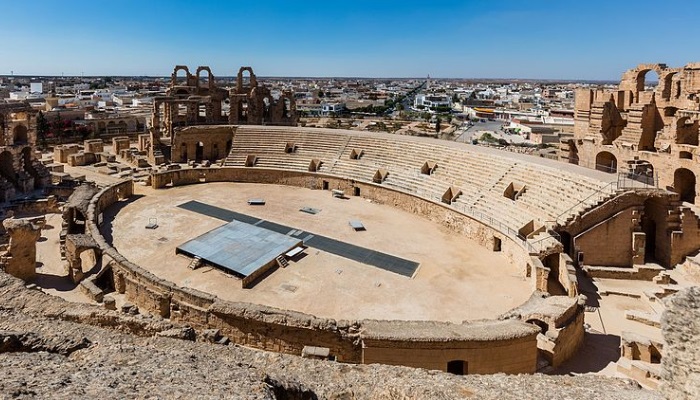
(681, 361)
(517, 355)
(616, 233)
(215, 143)
(659, 125)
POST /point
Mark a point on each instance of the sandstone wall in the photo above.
(681, 361)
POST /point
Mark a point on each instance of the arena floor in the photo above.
(457, 279)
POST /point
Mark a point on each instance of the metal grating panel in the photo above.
(363, 255)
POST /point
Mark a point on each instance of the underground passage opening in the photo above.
(199, 152)
(457, 367)
(496, 244)
(606, 162)
(684, 184)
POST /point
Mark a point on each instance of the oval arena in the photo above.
(366, 247)
(447, 207)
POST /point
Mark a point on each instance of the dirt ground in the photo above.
(456, 280)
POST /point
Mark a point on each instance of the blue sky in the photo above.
(558, 39)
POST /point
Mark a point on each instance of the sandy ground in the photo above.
(457, 279)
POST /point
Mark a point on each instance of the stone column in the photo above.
(21, 253)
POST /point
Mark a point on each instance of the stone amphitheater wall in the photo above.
(512, 347)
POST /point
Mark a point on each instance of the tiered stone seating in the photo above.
(483, 177)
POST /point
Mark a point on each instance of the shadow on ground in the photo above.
(106, 229)
(596, 353)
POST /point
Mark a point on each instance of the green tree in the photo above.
(42, 128)
(437, 125)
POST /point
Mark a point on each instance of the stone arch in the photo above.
(684, 181)
(176, 71)
(20, 134)
(252, 81)
(642, 72)
(606, 161)
(210, 76)
(121, 125)
(7, 169)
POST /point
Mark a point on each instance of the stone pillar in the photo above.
(639, 241)
(21, 253)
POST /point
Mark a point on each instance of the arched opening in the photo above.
(641, 171)
(204, 82)
(199, 152)
(6, 167)
(244, 81)
(19, 135)
(121, 126)
(181, 74)
(606, 162)
(684, 184)
(183, 153)
(457, 367)
(647, 81)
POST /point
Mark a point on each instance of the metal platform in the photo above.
(360, 254)
(240, 248)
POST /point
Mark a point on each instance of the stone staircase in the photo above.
(594, 201)
(195, 263)
(281, 261)
(546, 243)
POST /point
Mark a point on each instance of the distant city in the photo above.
(523, 115)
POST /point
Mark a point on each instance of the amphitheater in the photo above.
(367, 248)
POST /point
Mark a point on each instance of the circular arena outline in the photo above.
(507, 344)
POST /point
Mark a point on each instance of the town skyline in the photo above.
(446, 39)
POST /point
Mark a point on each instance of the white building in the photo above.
(432, 101)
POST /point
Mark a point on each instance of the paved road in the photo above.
(467, 133)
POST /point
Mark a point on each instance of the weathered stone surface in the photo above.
(20, 258)
(68, 354)
(681, 361)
